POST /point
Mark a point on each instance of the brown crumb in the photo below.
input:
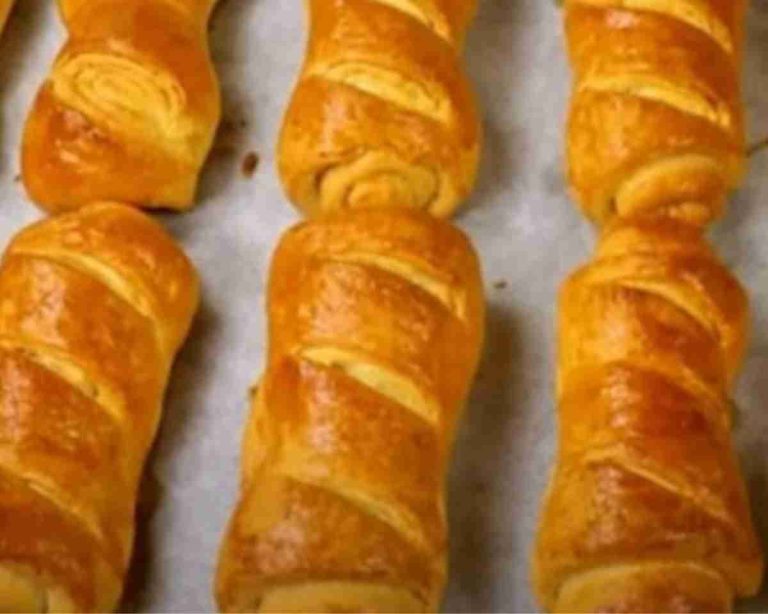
(17, 177)
(250, 164)
(500, 285)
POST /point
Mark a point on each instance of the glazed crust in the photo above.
(656, 116)
(647, 509)
(376, 321)
(93, 307)
(129, 110)
(382, 115)
(647, 486)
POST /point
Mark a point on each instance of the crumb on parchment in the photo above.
(250, 164)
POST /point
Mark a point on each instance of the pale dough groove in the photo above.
(383, 380)
(692, 304)
(689, 300)
(65, 366)
(133, 295)
(682, 377)
(51, 492)
(413, 274)
(426, 99)
(664, 92)
(395, 516)
(617, 456)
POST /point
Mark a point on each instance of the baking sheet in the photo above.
(529, 238)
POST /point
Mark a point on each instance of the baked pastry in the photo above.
(93, 307)
(129, 110)
(656, 117)
(382, 115)
(376, 321)
(375, 327)
(647, 510)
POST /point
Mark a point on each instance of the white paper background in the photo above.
(528, 235)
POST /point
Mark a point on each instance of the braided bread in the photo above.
(382, 115)
(647, 510)
(93, 307)
(376, 320)
(129, 110)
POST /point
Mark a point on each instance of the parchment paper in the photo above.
(529, 237)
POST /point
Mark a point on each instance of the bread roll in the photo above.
(129, 110)
(382, 115)
(656, 117)
(93, 307)
(647, 509)
(375, 327)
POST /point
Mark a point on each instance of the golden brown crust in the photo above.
(647, 510)
(130, 254)
(375, 330)
(382, 115)
(651, 336)
(129, 110)
(93, 306)
(656, 84)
